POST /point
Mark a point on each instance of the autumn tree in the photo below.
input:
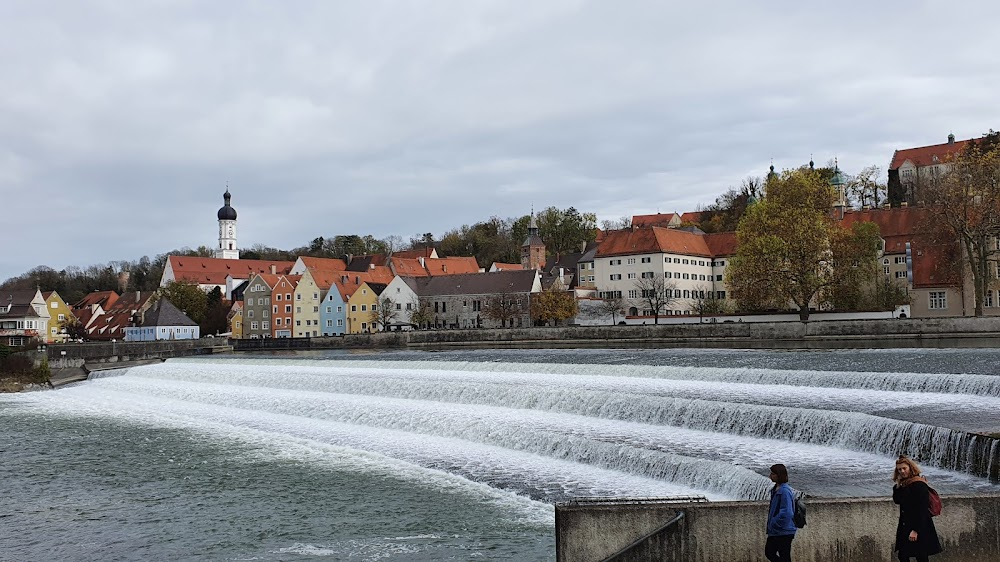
(791, 250)
(965, 204)
(420, 312)
(216, 311)
(553, 306)
(655, 294)
(188, 298)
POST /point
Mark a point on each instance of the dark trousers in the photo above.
(904, 558)
(779, 549)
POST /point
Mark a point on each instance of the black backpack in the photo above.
(799, 516)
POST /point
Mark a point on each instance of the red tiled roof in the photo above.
(213, 271)
(924, 155)
(323, 264)
(653, 240)
(106, 299)
(721, 244)
(418, 253)
(695, 216)
(659, 219)
(451, 266)
(408, 267)
(497, 266)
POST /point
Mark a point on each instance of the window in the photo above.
(900, 275)
(444, 307)
(298, 322)
(266, 314)
(677, 260)
(250, 301)
(55, 305)
(646, 260)
(684, 261)
(701, 277)
(340, 309)
(354, 308)
(687, 293)
(614, 262)
(315, 309)
(631, 275)
(277, 321)
(631, 261)
(701, 262)
(477, 306)
(616, 276)
(288, 309)
(265, 325)
(329, 323)
(988, 301)
(315, 296)
(288, 296)
(900, 259)
(718, 277)
(938, 300)
(409, 306)
(298, 296)
(298, 310)
(886, 269)
(374, 307)
(633, 294)
(399, 306)
(667, 275)
(61, 317)
(340, 321)
(685, 275)
(249, 314)
(277, 297)
(720, 295)
(885, 261)
(364, 308)
(647, 274)
(275, 307)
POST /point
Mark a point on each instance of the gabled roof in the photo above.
(497, 266)
(565, 261)
(426, 252)
(659, 219)
(164, 313)
(477, 283)
(653, 240)
(696, 216)
(323, 264)
(721, 244)
(377, 288)
(924, 155)
(269, 279)
(105, 299)
(408, 267)
(213, 271)
(451, 266)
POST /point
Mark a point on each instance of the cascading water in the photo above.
(508, 437)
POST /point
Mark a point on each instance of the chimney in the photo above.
(951, 138)
(274, 269)
(371, 266)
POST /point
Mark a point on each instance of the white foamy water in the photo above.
(551, 432)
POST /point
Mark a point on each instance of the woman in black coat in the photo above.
(915, 534)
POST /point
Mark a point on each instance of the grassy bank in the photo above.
(18, 370)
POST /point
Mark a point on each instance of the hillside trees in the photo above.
(791, 250)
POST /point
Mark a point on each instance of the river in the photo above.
(460, 455)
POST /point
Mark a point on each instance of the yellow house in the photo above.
(60, 312)
(307, 301)
(360, 307)
(235, 318)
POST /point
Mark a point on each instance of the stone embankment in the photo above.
(74, 361)
(840, 333)
(838, 530)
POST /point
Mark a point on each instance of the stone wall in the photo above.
(838, 530)
(73, 355)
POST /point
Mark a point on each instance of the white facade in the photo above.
(155, 333)
(227, 249)
(687, 276)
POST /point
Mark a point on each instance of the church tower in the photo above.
(227, 231)
(533, 249)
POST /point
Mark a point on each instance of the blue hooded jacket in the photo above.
(779, 517)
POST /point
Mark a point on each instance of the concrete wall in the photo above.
(72, 355)
(838, 530)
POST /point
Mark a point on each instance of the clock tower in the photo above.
(227, 231)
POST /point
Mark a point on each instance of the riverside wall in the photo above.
(838, 530)
(72, 361)
(830, 333)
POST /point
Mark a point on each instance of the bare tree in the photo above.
(655, 295)
(620, 223)
(866, 188)
(613, 306)
(382, 314)
(503, 308)
(705, 301)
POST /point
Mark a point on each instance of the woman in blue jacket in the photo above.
(780, 528)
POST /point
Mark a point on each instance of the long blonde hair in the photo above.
(914, 469)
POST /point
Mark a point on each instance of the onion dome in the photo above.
(227, 213)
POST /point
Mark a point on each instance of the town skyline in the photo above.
(123, 124)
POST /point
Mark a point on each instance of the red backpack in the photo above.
(934, 505)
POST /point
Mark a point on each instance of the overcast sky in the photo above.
(122, 121)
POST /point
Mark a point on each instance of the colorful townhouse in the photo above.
(163, 321)
(307, 300)
(24, 317)
(333, 311)
(60, 313)
(234, 318)
(257, 305)
(362, 308)
(283, 305)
